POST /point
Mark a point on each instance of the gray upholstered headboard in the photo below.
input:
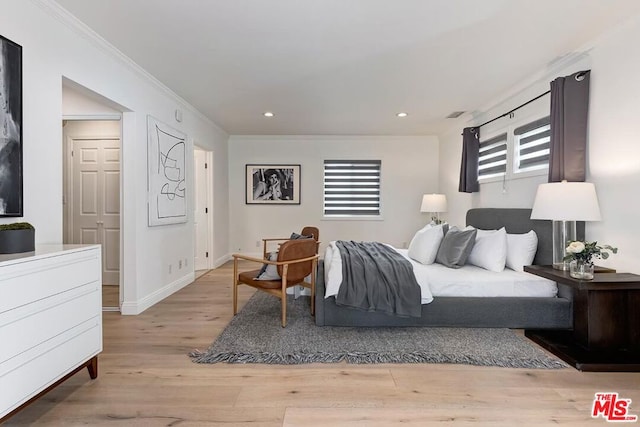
(516, 221)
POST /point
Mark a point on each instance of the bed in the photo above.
(549, 311)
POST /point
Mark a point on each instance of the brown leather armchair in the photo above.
(297, 259)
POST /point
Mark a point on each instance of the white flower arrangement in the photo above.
(586, 251)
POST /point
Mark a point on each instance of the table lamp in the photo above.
(565, 203)
(434, 204)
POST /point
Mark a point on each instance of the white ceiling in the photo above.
(345, 66)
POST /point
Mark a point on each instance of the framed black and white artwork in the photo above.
(166, 174)
(11, 196)
(272, 185)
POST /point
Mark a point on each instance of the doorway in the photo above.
(92, 195)
(202, 206)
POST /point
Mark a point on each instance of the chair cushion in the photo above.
(249, 278)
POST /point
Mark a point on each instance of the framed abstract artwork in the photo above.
(11, 196)
(167, 173)
(272, 184)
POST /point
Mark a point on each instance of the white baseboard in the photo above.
(137, 307)
(218, 262)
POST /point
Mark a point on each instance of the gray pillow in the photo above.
(456, 247)
(296, 236)
(269, 271)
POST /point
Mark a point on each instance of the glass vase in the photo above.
(581, 270)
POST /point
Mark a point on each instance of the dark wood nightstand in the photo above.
(606, 321)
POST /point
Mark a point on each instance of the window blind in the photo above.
(492, 160)
(352, 187)
(532, 145)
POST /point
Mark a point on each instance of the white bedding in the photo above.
(436, 280)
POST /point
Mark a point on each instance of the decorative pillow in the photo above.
(521, 250)
(456, 247)
(490, 250)
(414, 240)
(445, 227)
(269, 271)
(424, 245)
(296, 236)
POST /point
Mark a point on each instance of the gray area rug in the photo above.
(254, 335)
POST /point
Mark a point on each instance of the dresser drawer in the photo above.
(32, 325)
(41, 369)
(24, 283)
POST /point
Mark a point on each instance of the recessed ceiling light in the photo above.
(268, 114)
(402, 114)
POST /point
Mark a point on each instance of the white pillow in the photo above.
(490, 250)
(424, 245)
(521, 250)
(269, 271)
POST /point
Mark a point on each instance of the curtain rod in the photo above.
(517, 108)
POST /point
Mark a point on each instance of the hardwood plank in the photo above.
(147, 379)
(110, 296)
(418, 397)
(382, 417)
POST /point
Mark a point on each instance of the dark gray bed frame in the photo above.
(493, 312)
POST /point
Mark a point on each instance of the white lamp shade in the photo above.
(566, 201)
(434, 203)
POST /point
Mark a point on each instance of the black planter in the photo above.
(15, 241)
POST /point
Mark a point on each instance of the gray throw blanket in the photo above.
(377, 278)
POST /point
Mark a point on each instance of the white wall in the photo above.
(409, 169)
(76, 102)
(613, 162)
(614, 143)
(55, 47)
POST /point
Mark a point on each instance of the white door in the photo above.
(96, 200)
(202, 210)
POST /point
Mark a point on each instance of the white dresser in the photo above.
(50, 319)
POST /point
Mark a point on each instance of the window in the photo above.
(493, 157)
(532, 145)
(517, 149)
(352, 188)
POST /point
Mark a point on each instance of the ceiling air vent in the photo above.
(455, 114)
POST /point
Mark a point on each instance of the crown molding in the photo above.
(65, 17)
(352, 138)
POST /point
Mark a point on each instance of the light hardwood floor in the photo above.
(110, 296)
(146, 379)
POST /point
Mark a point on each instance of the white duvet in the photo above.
(436, 280)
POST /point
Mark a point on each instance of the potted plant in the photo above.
(17, 237)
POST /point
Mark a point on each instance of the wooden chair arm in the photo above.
(266, 261)
(250, 258)
(265, 242)
(265, 253)
(294, 261)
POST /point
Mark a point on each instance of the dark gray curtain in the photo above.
(469, 167)
(569, 119)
